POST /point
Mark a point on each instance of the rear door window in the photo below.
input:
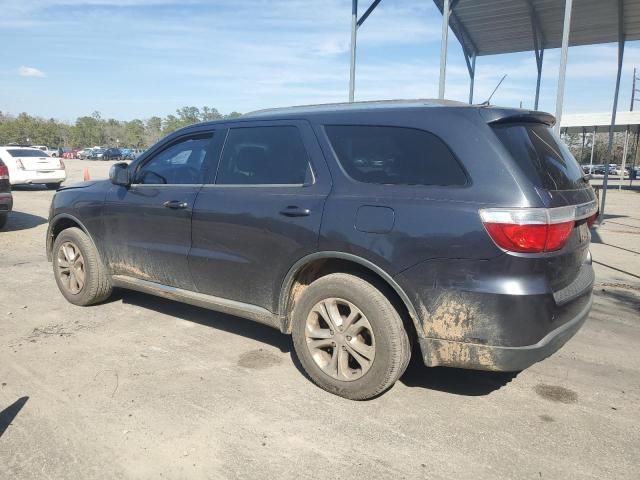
(394, 156)
(273, 155)
(543, 157)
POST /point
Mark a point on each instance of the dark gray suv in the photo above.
(358, 228)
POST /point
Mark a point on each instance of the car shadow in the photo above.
(10, 413)
(457, 381)
(228, 323)
(22, 221)
(450, 380)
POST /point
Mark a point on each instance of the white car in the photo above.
(47, 150)
(28, 165)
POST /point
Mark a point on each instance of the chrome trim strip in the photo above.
(224, 305)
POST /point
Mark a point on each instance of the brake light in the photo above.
(4, 172)
(533, 230)
(19, 164)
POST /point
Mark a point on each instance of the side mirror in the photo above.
(119, 174)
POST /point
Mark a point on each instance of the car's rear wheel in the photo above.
(78, 270)
(349, 338)
(53, 186)
(3, 219)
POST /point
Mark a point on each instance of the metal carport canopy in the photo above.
(492, 27)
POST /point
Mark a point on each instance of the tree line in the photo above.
(88, 131)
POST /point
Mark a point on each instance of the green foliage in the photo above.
(89, 131)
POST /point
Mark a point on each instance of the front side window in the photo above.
(180, 163)
(394, 156)
(264, 156)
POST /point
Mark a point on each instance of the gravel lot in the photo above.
(141, 387)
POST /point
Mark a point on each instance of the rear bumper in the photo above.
(6, 202)
(437, 352)
(27, 177)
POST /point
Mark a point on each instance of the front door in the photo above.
(148, 224)
(260, 213)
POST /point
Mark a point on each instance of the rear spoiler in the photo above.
(494, 115)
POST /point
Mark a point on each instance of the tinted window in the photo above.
(264, 156)
(395, 156)
(26, 152)
(542, 156)
(180, 163)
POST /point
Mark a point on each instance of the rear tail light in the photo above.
(533, 230)
(4, 172)
(19, 164)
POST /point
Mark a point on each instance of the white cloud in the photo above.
(30, 72)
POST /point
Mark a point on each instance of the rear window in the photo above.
(394, 156)
(543, 157)
(26, 152)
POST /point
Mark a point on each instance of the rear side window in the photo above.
(264, 156)
(543, 157)
(394, 156)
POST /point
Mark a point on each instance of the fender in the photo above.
(293, 271)
(53, 222)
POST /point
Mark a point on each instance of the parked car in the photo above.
(29, 165)
(6, 199)
(112, 154)
(97, 154)
(127, 153)
(355, 228)
(85, 153)
(52, 152)
(71, 154)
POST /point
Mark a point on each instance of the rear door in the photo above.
(148, 224)
(260, 213)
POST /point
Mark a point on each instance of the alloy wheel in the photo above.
(340, 339)
(71, 268)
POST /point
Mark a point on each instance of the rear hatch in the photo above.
(564, 190)
(34, 159)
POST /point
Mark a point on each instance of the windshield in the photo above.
(543, 157)
(26, 152)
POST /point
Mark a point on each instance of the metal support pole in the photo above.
(563, 61)
(354, 30)
(443, 48)
(539, 59)
(615, 105)
(584, 133)
(472, 77)
(624, 157)
(593, 146)
(635, 157)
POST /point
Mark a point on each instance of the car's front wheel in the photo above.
(349, 338)
(78, 270)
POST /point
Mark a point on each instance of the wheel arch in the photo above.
(319, 264)
(61, 222)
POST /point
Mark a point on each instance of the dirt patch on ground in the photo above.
(259, 359)
(556, 393)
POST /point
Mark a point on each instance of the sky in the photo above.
(138, 58)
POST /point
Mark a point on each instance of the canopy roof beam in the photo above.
(538, 46)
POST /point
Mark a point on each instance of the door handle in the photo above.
(175, 204)
(294, 211)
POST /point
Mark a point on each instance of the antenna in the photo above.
(486, 102)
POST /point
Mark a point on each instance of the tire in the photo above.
(385, 340)
(96, 284)
(3, 219)
(53, 186)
